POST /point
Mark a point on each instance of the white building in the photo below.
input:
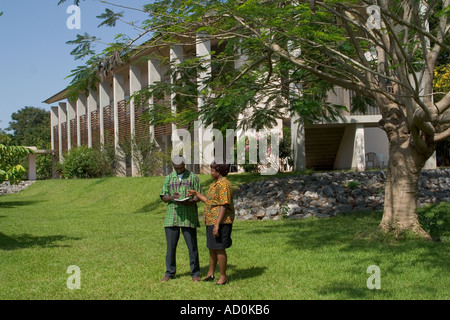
(103, 117)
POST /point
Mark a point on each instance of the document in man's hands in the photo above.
(182, 200)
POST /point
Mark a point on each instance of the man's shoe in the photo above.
(196, 279)
(166, 278)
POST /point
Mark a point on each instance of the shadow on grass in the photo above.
(153, 207)
(22, 241)
(234, 273)
(159, 207)
(15, 204)
(247, 273)
(353, 237)
(349, 291)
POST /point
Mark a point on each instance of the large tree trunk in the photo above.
(406, 161)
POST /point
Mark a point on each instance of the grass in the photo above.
(112, 229)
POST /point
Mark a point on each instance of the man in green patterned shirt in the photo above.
(181, 214)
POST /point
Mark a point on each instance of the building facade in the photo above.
(107, 117)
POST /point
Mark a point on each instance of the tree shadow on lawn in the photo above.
(352, 237)
(15, 242)
(153, 207)
(14, 204)
(158, 206)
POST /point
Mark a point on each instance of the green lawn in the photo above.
(112, 229)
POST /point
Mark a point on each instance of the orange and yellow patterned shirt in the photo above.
(219, 194)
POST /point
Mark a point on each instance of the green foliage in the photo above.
(75, 2)
(110, 18)
(30, 126)
(5, 138)
(84, 162)
(10, 167)
(308, 45)
(146, 155)
(436, 221)
(354, 184)
(285, 150)
(83, 48)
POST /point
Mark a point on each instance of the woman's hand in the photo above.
(197, 194)
(192, 193)
(215, 231)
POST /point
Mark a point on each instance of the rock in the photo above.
(7, 188)
(328, 191)
(295, 217)
(344, 208)
(312, 195)
(328, 194)
(273, 210)
(293, 208)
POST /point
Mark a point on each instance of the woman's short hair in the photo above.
(221, 167)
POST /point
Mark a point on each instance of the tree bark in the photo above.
(402, 178)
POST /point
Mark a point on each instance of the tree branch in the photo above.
(442, 136)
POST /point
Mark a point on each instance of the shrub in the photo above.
(10, 167)
(84, 162)
(353, 184)
(435, 220)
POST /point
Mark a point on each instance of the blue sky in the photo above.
(34, 56)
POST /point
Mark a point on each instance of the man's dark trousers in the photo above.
(190, 236)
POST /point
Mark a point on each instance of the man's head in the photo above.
(178, 163)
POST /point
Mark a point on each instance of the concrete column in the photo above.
(359, 150)
(297, 124)
(241, 59)
(431, 162)
(118, 94)
(32, 167)
(239, 63)
(154, 75)
(55, 153)
(54, 122)
(62, 117)
(92, 105)
(103, 101)
(81, 111)
(135, 85)
(71, 114)
(203, 51)
(176, 57)
(298, 143)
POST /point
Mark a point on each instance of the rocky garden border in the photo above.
(327, 194)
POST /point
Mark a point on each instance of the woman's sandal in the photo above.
(210, 278)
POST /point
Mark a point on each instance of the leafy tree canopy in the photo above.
(30, 126)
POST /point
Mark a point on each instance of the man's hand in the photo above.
(191, 201)
(171, 198)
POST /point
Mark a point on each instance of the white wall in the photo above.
(375, 140)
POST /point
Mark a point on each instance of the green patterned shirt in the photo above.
(180, 215)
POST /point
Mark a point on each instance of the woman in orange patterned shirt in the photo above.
(219, 217)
